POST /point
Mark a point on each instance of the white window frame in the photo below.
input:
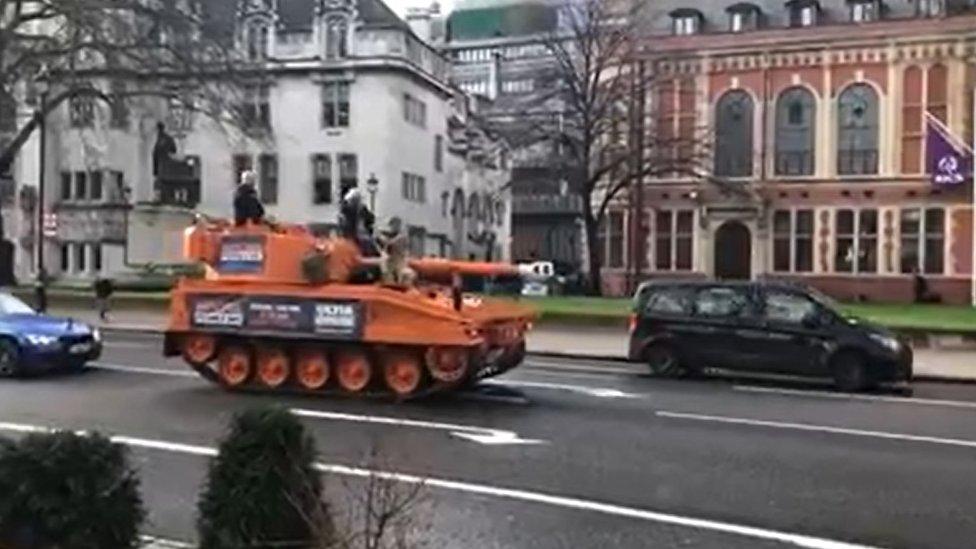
(793, 236)
(685, 25)
(737, 21)
(808, 16)
(856, 241)
(673, 241)
(921, 236)
(603, 238)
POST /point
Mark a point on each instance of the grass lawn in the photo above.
(924, 317)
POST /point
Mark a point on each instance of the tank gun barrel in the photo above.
(438, 269)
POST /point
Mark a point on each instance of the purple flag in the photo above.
(949, 163)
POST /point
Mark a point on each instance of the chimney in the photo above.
(420, 21)
(494, 76)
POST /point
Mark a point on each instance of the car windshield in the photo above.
(827, 302)
(10, 305)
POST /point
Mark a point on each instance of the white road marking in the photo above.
(131, 345)
(602, 392)
(596, 368)
(140, 370)
(797, 540)
(481, 435)
(819, 428)
(849, 396)
(152, 542)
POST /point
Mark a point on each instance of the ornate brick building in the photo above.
(816, 112)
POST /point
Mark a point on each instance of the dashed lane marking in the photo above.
(153, 542)
(851, 396)
(141, 370)
(819, 428)
(581, 366)
(795, 540)
(130, 345)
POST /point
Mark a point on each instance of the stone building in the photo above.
(818, 111)
(497, 51)
(348, 96)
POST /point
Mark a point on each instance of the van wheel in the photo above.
(663, 361)
(850, 372)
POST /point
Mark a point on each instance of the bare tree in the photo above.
(594, 112)
(382, 511)
(113, 54)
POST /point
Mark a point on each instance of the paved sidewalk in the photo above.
(591, 341)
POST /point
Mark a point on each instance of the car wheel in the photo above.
(9, 358)
(663, 361)
(850, 372)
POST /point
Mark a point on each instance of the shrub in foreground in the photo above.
(262, 489)
(67, 490)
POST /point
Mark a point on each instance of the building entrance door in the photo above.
(733, 252)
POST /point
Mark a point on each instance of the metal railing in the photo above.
(547, 204)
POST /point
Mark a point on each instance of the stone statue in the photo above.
(164, 149)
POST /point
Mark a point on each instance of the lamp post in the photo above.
(43, 88)
(372, 185)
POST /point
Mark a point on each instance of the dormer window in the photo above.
(256, 39)
(686, 21)
(864, 11)
(743, 17)
(336, 37)
(803, 13)
(930, 8)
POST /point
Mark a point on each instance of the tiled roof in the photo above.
(776, 14)
(294, 15)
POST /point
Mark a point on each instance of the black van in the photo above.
(682, 327)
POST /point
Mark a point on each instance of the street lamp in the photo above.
(372, 185)
(43, 88)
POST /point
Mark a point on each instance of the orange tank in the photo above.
(279, 309)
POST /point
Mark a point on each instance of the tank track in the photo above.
(482, 366)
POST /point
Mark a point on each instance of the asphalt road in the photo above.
(570, 454)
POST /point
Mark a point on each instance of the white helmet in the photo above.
(353, 196)
(248, 177)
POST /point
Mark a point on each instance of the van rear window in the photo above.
(675, 300)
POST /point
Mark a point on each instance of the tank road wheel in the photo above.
(403, 372)
(353, 371)
(234, 365)
(311, 369)
(447, 364)
(274, 367)
(199, 349)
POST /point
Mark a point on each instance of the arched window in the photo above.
(857, 131)
(336, 39)
(733, 147)
(796, 115)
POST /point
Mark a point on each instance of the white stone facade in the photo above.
(371, 102)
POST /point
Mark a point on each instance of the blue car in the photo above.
(34, 343)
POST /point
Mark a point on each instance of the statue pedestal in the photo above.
(155, 233)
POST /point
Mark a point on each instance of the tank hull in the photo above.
(359, 340)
